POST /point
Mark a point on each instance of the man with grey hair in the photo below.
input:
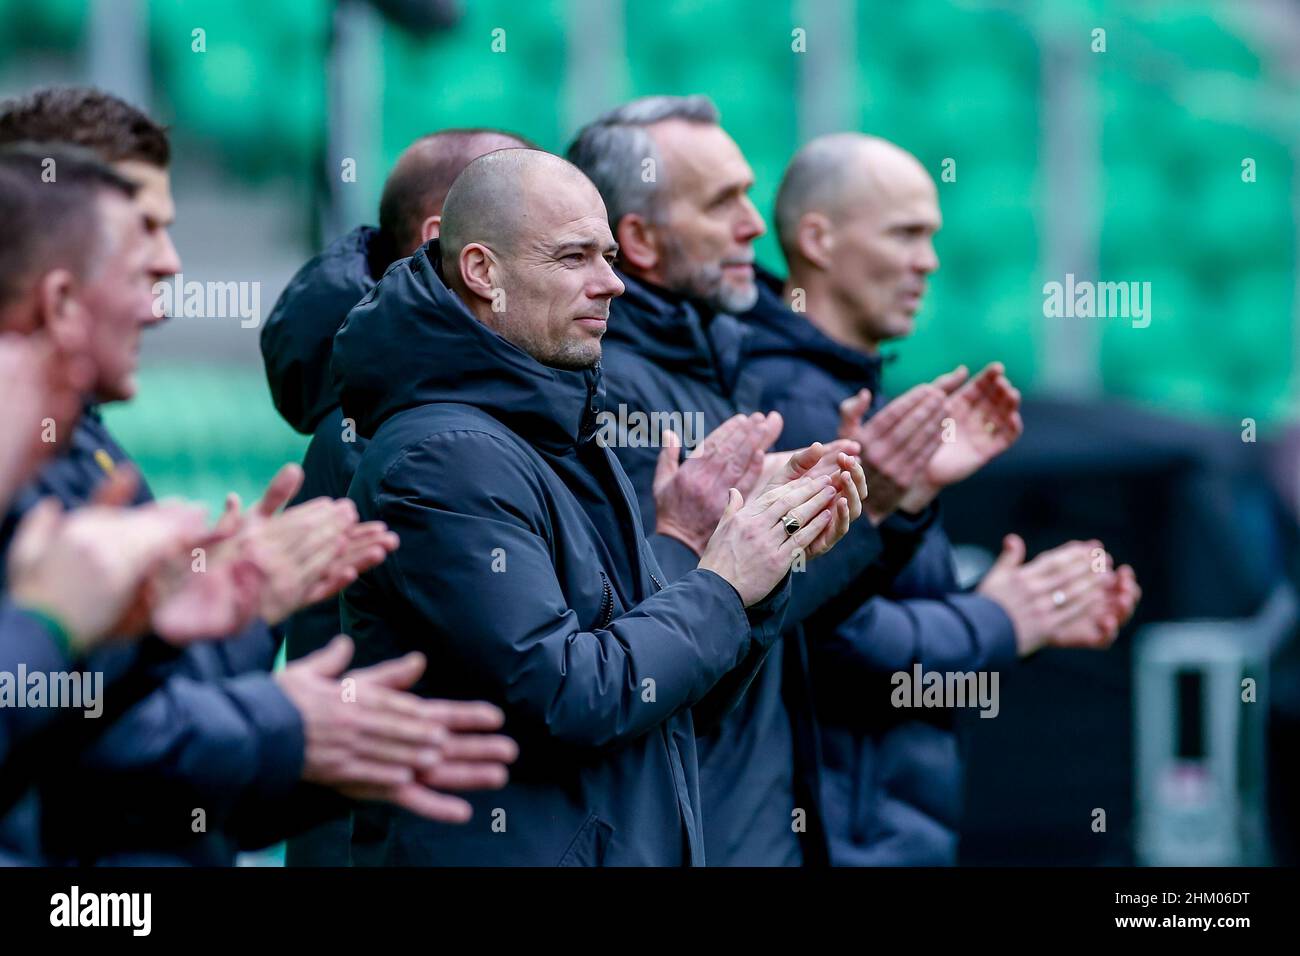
(856, 217)
(676, 187)
(628, 154)
(473, 369)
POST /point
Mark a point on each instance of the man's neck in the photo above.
(480, 309)
(829, 315)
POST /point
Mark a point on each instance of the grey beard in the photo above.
(705, 284)
(736, 301)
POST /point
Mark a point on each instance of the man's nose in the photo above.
(928, 260)
(607, 284)
(751, 224)
(166, 260)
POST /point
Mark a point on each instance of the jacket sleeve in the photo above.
(580, 686)
(841, 578)
(209, 723)
(960, 632)
(925, 619)
(767, 618)
(215, 747)
(858, 573)
(217, 733)
(200, 743)
(252, 651)
(25, 641)
(675, 558)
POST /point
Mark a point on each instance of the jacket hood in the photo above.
(413, 342)
(776, 331)
(298, 335)
(662, 327)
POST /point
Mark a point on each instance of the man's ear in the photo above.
(638, 242)
(60, 313)
(429, 228)
(478, 270)
(815, 239)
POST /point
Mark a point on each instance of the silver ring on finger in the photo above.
(1058, 598)
(790, 522)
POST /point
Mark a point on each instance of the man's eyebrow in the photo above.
(605, 248)
(916, 222)
(738, 186)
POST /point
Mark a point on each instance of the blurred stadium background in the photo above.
(1122, 164)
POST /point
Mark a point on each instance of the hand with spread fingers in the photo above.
(691, 495)
(1069, 596)
(775, 463)
(851, 486)
(982, 420)
(897, 442)
(369, 738)
(307, 552)
(88, 569)
(199, 592)
(193, 598)
(472, 757)
(756, 542)
(838, 461)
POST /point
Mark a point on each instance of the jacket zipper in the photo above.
(606, 603)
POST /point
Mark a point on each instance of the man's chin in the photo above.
(900, 328)
(577, 357)
(735, 297)
(122, 390)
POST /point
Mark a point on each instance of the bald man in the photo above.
(296, 342)
(856, 217)
(524, 573)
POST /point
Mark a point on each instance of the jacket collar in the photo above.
(777, 330)
(664, 328)
(413, 342)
